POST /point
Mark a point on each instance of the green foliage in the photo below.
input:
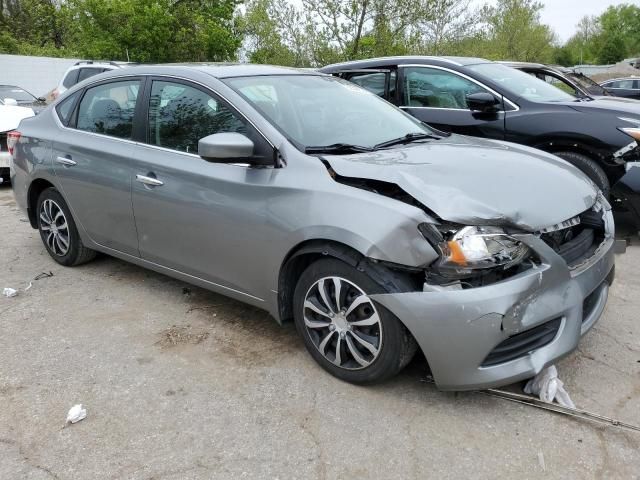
(308, 33)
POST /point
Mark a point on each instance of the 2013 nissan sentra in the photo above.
(314, 199)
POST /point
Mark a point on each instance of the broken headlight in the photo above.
(471, 250)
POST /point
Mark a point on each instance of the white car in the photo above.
(81, 71)
(10, 117)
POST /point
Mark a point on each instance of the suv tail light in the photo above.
(12, 139)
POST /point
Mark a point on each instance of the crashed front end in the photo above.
(479, 331)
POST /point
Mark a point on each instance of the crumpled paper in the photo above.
(548, 387)
(76, 413)
(9, 292)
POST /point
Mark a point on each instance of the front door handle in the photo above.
(67, 162)
(153, 182)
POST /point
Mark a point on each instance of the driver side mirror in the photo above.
(482, 102)
(227, 147)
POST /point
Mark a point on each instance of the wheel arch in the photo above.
(36, 187)
(590, 148)
(398, 279)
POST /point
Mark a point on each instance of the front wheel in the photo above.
(348, 334)
(590, 168)
(58, 230)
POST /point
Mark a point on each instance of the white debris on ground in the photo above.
(76, 413)
(9, 292)
(548, 387)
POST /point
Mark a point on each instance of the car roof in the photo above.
(404, 60)
(217, 70)
(523, 64)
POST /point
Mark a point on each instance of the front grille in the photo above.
(578, 241)
(523, 343)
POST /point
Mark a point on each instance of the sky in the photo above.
(563, 15)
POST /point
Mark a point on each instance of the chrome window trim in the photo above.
(149, 76)
(467, 77)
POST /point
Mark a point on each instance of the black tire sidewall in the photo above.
(590, 168)
(71, 256)
(391, 358)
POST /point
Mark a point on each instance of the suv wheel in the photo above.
(343, 329)
(58, 230)
(590, 168)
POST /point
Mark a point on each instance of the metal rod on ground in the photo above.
(552, 407)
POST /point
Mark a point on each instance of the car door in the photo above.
(92, 162)
(192, 215)
(437, 96)
(623, 88)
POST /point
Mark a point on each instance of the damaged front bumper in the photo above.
(494, 335)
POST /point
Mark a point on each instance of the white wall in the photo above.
(37, 75)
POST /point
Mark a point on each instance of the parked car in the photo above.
(12, 95)
(623, 87)
(83, 70)
(10, 116)
(313, 199)
(477, 97)
(566, 79)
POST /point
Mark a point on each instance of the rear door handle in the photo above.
(154, 182)
(67, 162)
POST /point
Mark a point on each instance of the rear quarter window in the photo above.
(64, 109)
(71, 78)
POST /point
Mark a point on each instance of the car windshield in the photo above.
(314, 111)
(522, 84)
(17, 93)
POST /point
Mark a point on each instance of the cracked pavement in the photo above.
(181, 383)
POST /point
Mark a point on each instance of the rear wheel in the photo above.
(590, 168)
(58, 230)
(348, 334)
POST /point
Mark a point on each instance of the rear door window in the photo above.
(109, 108)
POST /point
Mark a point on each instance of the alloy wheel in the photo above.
(53, 225)
(343, 323)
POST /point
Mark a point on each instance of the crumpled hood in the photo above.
(479, 182)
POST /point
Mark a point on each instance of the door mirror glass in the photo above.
(10, 101)
(226, 147)
(482, 102)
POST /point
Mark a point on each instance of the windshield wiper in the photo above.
(408, 138)
(337, 148)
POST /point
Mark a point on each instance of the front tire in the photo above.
(590, 168)
(349, 335)
(59, 232)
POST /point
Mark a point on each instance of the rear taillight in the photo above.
(12, 139)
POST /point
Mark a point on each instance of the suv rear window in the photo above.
(88, 72)
(71, 79)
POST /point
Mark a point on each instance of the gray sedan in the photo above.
(319, 202)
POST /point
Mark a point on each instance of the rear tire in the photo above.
(590, 168)
(374, 345)
(59, 232)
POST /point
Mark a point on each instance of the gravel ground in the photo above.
(181, 383)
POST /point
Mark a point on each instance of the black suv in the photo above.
(478, 97)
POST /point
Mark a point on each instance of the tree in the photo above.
(155, 30)
(446, 22)
(516, 33)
